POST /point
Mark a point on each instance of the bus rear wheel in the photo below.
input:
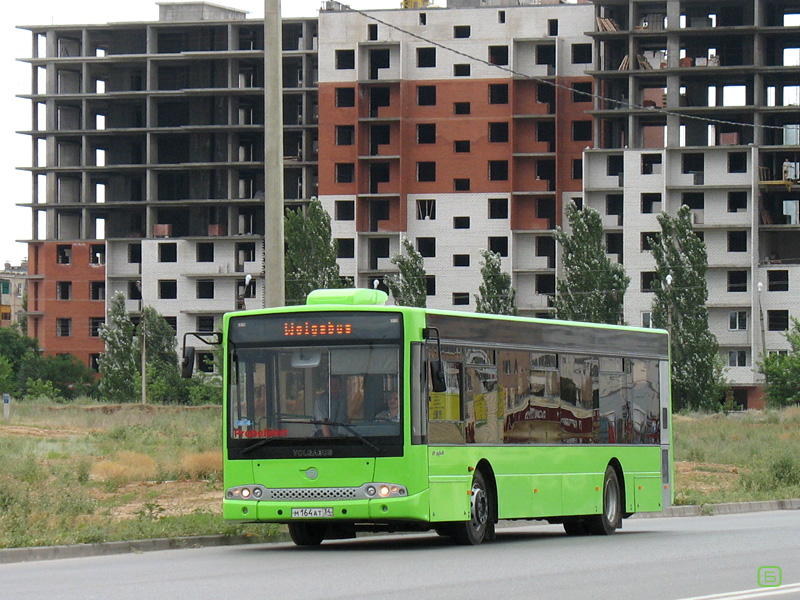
(610, 519)
(478, 528)
(307, 534)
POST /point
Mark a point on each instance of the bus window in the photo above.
(612, 398)
(644, 402)
(445, 409)
(578, 410)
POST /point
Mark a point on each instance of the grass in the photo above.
(737, 457)
(93, 473)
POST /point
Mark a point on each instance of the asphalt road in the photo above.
(661, 558)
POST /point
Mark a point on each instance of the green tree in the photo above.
(61, 378)
(681, 293)
(70, 377)
(15, 346)
(409, 286)
(311, 252)
(119, 364)
(164, 384)
(495, 294)
(8, 379)
(782, 371)
(592, 287)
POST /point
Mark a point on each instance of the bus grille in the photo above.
(292, 494)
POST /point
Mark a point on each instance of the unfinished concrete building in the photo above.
(700, 107)
(148, 167)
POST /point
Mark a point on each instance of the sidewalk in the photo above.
(13, 555)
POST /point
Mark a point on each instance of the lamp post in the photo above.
(668, 280)
(760, 288)
(143, 334)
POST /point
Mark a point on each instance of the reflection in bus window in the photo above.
(644, 402)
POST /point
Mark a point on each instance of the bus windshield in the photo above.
(315, 391)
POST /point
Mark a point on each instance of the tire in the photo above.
(610, 519)
(474, 531)
(307, 534)
(575, 526)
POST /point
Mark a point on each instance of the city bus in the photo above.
(346, 414)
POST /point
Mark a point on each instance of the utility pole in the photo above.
(274, 289)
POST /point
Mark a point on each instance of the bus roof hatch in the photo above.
(348, 296)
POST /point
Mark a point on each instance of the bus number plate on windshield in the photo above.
(312, 513)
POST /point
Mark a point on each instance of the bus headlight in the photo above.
(245, 492)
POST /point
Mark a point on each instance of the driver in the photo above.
(392, 413)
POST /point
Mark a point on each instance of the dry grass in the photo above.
(202, 465)
(128, 467)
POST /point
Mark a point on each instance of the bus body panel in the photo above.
(545, 481)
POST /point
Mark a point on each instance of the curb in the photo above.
(727, 508)
(14, 555)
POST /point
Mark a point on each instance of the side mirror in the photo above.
(187, 362)
(437, 376)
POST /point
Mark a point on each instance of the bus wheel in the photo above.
(474, 531)
(609, 520)
(307, 534)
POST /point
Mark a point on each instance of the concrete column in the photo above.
(273, 156)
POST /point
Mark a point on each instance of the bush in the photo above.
(39, 389)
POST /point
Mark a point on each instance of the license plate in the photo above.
(312, 513)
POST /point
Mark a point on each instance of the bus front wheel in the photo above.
(307, 534)
(610, 519)
(479, 526)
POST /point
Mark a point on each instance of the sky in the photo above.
(15, 150)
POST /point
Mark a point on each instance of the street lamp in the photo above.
(243, 294)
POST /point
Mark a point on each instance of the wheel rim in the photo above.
(480, 507)
(611, 501)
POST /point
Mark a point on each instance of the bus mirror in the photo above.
(437, 376)
(305, 359)
(187, 363)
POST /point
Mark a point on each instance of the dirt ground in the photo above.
(705, 477)
(168, 498)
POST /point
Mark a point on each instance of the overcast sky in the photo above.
(15, 223)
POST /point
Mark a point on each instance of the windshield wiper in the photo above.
(347, 427)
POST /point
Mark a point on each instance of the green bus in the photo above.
(347, 415)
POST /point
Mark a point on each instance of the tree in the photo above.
(409, 286)
(69, 376)
(15, 346)
(592, 287)
(680, 306)
(119, 363)
(164, 384)
(782, 371)
(495, 295)
(311, 252)
(62, 377)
